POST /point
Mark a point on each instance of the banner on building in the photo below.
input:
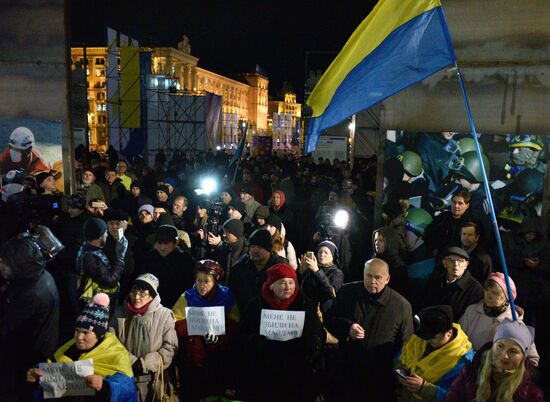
(130, 114)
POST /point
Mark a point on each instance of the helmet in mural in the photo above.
(412, 163)
(527, 182)
(525, 140)
(468, 166)
(467, 144)
(21, 138)
(418, 220)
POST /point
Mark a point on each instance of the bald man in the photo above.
(371, 321)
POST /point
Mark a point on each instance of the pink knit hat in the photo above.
(498, 277)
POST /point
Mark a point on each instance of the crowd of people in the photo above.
(416, 308)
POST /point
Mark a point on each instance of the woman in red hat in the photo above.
(280, 365)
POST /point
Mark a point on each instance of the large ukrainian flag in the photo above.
(400, 43)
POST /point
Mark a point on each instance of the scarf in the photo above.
(219, 296)
(109, 356)
(138, 311)
(275, 303)
(496, 311)
(436, 364)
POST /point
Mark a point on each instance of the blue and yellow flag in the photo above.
(400, 43)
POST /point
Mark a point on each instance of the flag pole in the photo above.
(487, 194)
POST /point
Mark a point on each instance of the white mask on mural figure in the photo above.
(16, 155)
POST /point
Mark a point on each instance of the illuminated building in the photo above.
(247, 100)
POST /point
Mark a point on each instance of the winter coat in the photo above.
(228, 254)
(175, 273)
(251, 206)
(289, 253)
(246, 281)
(112, 191)
(480, 264)
(445, 230)
(481, 328)
(29, 319)
(438, 367)
(98, 273)
(323, 285)
(193, 349)
(275, 370)
(464, 387)
(458, 294)
(150, 338)
(395, 254)
(387, 321)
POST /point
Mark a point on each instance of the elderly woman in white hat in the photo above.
(147, 329)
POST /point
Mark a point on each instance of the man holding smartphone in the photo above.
(433, 356)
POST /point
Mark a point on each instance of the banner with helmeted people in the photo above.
(426, 169)
(30, 147)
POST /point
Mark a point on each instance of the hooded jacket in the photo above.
(395, 254)
(29, 315)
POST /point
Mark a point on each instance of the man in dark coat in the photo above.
(371, 321)
(232, 248)
(112, 187)
(480, 265)
(29, 315)
(455, 286)
(249, 273)
(171, 265)
(445, 228)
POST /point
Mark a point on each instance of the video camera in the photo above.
(213, 205)
(333, 222)
(48, 244)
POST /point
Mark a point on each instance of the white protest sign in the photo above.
(66, 379)
(201, 320)
(282, 325)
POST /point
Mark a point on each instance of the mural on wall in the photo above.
(427, 168)
(30, 146)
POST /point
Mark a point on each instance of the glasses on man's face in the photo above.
(140, 293)
(454, 261)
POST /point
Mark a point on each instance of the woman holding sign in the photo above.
(281, 338)
(206, 319)
(112, 378)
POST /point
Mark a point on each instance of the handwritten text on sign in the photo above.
(280, 325)
(66, 379)
(201, 320)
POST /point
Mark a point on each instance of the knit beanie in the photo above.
(275, 221)
(262, 238)
(137, 183)
(234, 226)
(331, 246)
(261, 212)
(248, 189)
(116, 215)
(93, 229)
(515, 331)
(280, 271)
(163, 188)
(498, 277)
(170, 180)
(147, 208)
(149, 282)
(95, 316)
(238, 205)
(166, 234)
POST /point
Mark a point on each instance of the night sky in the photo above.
(230, 37)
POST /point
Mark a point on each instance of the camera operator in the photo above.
(47, 206)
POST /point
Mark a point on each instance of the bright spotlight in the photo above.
(341, 219)
(208, 186)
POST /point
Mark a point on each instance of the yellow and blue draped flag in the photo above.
(400, 43)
